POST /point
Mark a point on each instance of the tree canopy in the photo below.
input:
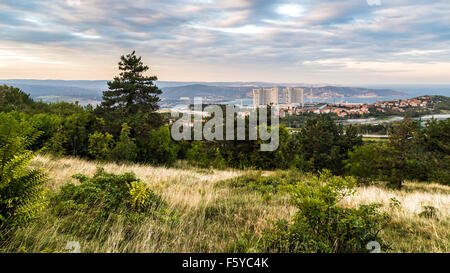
(132, 98)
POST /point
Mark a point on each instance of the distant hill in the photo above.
(91, 91)
(85, 92)
(237, 92)
(349, 92)
(201, 90)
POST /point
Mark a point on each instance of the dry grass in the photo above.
(182, 187)
(408, 232)
(209, 216)
(412, 197)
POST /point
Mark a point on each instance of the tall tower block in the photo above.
(303, 98)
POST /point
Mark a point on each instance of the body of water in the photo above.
(249, 102)
(394, 119)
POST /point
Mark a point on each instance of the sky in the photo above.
(321, 41)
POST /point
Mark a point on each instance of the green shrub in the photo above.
(125, 149)
(22, 194)
(441, 175)
(429, 212)
(244, 244)
(90, 210)
(197, 155)
(160, 148)
(107, 191)
(100, 145)
(274, 183)
(320, 225)
(140, 196)
(219, 162)
(363, 162)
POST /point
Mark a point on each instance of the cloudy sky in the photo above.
(323, 41)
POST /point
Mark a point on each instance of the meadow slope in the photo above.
(210, 216)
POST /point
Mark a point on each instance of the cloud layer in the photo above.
(351, 41)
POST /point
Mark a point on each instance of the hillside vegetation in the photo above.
(113, 179)
(209, 213)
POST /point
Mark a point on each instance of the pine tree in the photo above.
(132, 98)
(400, 152)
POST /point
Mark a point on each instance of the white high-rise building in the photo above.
(294, 95)
(265, 96)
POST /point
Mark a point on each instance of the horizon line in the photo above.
(252, 81)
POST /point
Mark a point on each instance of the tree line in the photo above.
(126, 127)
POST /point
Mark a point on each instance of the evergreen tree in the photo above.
(12, 98)
(399, 154)
(132, 98)
(325, 145)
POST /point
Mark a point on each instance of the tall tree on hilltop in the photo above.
(401, 153)
(132, 98)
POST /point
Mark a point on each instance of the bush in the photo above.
(429, 212)
(112, 193)
(196, 155)
(126, 149)
(141, 197)
(100, 145)
(266, 184)
(255, 181)
(320, 225)
(22, 194)
(363, 162)
(99, 204)
(160, 148)
(441, 175)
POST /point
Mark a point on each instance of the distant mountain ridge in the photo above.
(91, 91)
(237, 92)
(202, 90)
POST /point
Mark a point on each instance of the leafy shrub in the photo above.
(160, 148)
(320, 225)
(56, 143)
(99, 145)
(22, 194)
(90, 210)
(125, 149)
(109, 192)
(265, 183)
(429, 212)
(243, 245)
(441, 175)
(363, 161)
(219, 162)
(196, 155)
(140, 196)
(395, 203)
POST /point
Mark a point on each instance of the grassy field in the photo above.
(209, 215)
